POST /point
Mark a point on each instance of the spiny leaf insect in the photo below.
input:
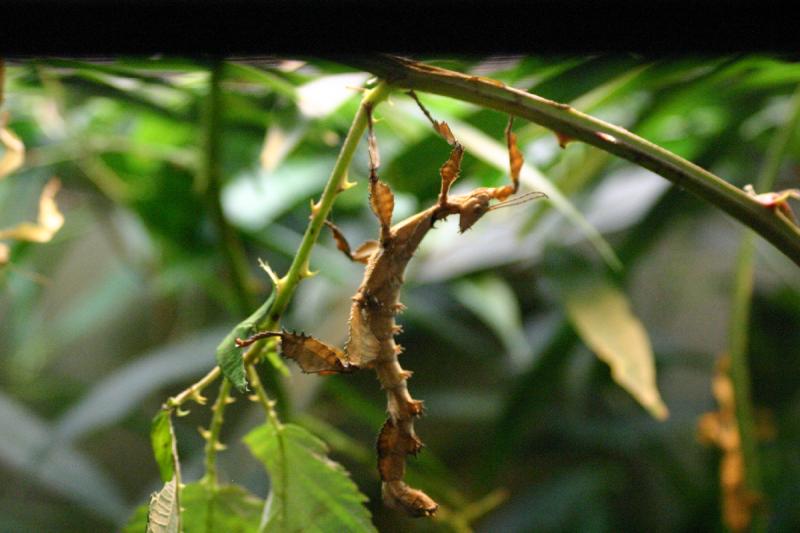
(372, 326)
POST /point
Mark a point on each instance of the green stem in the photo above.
(299, 268)
(572, 123)
(740, 320)
(336, 183)
(209, 182)
(212, 436)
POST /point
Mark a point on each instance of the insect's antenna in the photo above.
(527, 197)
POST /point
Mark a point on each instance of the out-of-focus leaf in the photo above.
(602, 317)
(14, 154)
(120, 392)
(278, 144)
(162, 438)
(228, 508)
(164, 513)
(207, 509)
(254, 199)
(48, 222)
(308, 489)
(491, 299)
(271, 80)
(324, 95)
(229, 356)
(24, 447)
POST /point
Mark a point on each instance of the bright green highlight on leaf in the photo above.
(163, 444)
(229, 356)
(310, 492)
(602, 317)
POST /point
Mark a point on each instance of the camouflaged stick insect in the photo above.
(375, 304)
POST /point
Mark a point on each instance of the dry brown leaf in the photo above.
(49, 220)
(14, 154)
(603, 318)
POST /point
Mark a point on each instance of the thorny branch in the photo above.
(569, 123)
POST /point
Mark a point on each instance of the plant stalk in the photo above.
(299, 267)
(209, 181)
(740, 320)
(212, 436)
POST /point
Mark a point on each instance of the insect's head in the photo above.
(472, 207)
(476, 204)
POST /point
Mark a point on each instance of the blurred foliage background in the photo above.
(126, 304)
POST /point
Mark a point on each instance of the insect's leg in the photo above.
(515, 159)
(452, 166)
(450, 171)
(381, 199)
(362, 253)
(311, 355)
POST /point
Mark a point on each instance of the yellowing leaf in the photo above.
(48, 222)
(14, 153)
(603, 319)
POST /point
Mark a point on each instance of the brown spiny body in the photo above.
(376, 303)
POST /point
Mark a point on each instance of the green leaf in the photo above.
(309, 491)
(229, 356)
(206, 509)
(162, 438)
(228, 508)
(164, 511)
(603, 319)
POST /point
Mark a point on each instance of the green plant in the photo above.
(307, 488)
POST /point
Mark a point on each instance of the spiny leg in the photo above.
(381, 199)
(452, 166)
(362, 253)
(311, 355)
